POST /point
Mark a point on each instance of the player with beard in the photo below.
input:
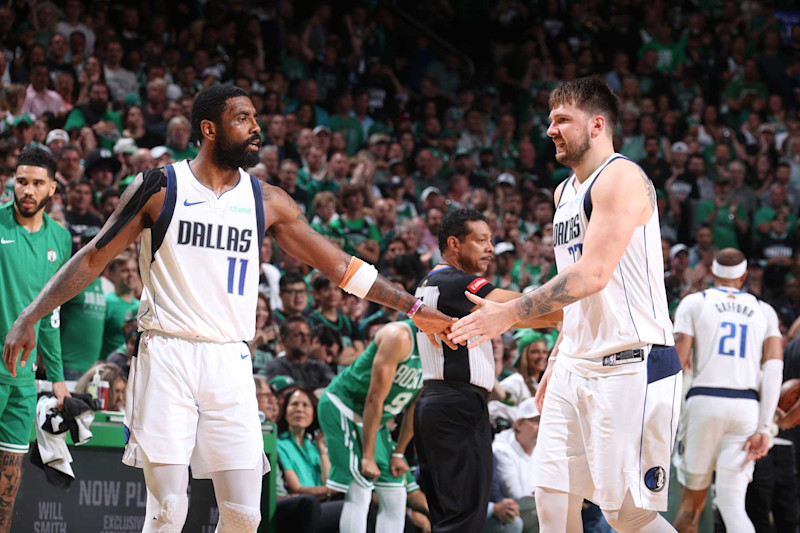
(191, 394)
(32, 248)
(612, 394)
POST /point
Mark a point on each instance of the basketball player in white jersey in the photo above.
(731, 341)
(191, 397)
(612, 394)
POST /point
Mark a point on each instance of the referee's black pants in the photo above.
(454, 443)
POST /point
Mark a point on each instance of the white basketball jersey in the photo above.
(631, 311)
(199, 262)
(729, 329)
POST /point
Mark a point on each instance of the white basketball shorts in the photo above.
(711, 437)
(193, 403)
(602, 436)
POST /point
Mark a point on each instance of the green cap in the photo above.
(23, 119)
(279, 383)
(132, 99)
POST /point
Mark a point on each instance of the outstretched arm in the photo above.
(295, 236)
(622, 200)
(139, 206)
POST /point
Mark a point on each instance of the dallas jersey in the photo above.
(350, 387)
(199, 261)
(631, 311)
(729, 327)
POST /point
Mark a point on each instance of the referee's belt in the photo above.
(747, 394)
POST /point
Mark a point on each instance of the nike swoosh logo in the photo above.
(245, 356)
(187, 203)
(562, 205)
(4, 241)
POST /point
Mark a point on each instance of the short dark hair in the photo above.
(111, 192)
(294, 319)
(455, 224)
(210, 104)
(590, 94)
(38, 157)
(83, 182)
(290, 279)
(319, 282)
(326, 335)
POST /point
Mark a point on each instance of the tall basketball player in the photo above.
(191, 395)
(612, 395)
(737, 371)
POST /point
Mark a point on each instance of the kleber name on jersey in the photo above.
(566, 230)
(214, 236)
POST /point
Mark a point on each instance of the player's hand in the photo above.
(432, 322)
(60, 392)
(370, 469)
(506, 510)
(398, 466)
(756, 446)
(21, 337)
(488, 321)
(541, 390)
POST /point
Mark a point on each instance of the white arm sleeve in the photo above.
(771, 379)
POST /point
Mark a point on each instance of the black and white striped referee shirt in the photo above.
(443, 289)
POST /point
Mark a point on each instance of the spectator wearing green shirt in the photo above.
(302, 452)
(671, 54)
(748, 87)
(179, 131)
(726, 217)
(96, 114)
(343, 121)
(82, 322)
(778, 204)
(123, 273)
(328, 300)
(324, 215)
(362, 237)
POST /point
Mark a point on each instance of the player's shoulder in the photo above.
(765, 307)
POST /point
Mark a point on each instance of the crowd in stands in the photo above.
(377, 130)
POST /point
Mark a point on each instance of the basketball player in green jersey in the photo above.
(32, 248)
(353, 413)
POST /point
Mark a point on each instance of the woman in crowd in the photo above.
(111, 374)
(303, 454)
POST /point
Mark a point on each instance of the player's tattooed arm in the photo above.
(566, 288)
(291, 230)
(138, 208)
(651, 190)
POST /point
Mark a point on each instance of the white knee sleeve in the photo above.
(730, 500)
(355, 509)
(391, 510)
(235, 518)
(166, 516)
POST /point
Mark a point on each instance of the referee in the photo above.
(451, 419)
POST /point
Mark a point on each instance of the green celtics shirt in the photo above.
(343, 326)
(351, 386)
(27, 262)
(116, 311)
(356, 232)
(82, 323)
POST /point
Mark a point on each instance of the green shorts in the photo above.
(17, 412)
(344, 437)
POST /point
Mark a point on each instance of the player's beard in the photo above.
(28, 213)
(227, 154)
(572, 157)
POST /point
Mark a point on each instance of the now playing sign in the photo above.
(105, 497)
